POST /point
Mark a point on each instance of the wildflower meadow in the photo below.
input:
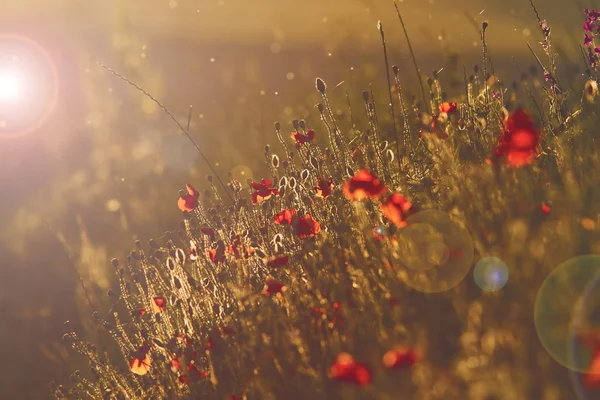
(429, 245)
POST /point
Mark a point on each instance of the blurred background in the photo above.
(92, 164)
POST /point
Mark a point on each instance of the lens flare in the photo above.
(435, 251)
(564, 316)
(10, 86)
(490, 274)
(28, 86)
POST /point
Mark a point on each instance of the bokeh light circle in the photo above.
(435, 250)
(241, 173)
(420, 246)
(490, 274)
(28, 85)
(562, 315)
(588, 311)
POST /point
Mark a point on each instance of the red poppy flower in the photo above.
(263, 191)
(324, 187)
(140, 363)
(285, 217)
(592, 377)
(239, 249)
(346, 369)
(301, 138)
(175, 365)
(217, 255)
(158, 304)
(307, 226)
(362, 185)
(448, 108)
(273, 287)
(395, 208)
(545, 208)
(591, 339)
(518, 144)
(401, 357)
(207, 230)
(184, 379)
(277, 262)
(188, 201)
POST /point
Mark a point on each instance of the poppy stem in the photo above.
(389, 82)
(185, 131)
(412, 53)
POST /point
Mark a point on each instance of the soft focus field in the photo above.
(106, 169)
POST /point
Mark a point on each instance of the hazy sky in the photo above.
(292, 22)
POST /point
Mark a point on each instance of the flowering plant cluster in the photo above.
(296, 285)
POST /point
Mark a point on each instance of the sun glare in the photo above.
(10, 86)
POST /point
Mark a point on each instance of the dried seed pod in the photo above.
(349, 171)
(283, 181)
(278, 248)
(282, 190)
(180, 256)
(277, 238)
(170, 263)
(390, 155)
(305, 174)
(292, 183)
(177, 282)
(384, 145)
(313, 162)
(275, 161)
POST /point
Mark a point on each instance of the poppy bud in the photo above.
(277, 126)
(365, 95)
(115, 262)
(395, 69)
(302, 124)
(295, 124)
(267, 148)
(320, 107)
(321, 86)
(209, 178)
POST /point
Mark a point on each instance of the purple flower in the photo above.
(592, 14)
